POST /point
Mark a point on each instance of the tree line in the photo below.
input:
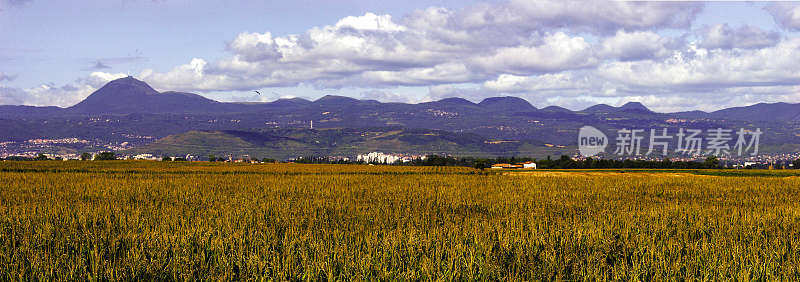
(564, 162)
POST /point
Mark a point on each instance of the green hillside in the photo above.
(289, 143)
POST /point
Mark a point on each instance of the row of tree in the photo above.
(564, 162)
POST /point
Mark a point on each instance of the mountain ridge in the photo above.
(129, 95)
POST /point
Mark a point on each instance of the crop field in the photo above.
(178, 220)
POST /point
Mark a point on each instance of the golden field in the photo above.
(180, 221)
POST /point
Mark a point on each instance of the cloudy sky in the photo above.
(671, 56)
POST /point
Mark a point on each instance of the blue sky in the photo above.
(670, 56)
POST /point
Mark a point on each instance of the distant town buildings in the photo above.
(384, 158)
(148, 157)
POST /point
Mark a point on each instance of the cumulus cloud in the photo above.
(385, 96)
(435, 46)
(11, 96)
(632, 46)
(508, 83)
(593, 16)
(371, 22)
(746, 37)
(704, 69)
(50, 94)
(786, 15)
(558, 52)
(188, 76)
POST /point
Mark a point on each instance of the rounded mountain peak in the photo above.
(636, 106)
(126, 86)
(508, 103)
(117, 94)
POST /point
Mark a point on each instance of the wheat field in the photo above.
(122, 220)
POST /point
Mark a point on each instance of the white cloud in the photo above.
(385, 96)
(594, 16)
(508, 83)
(11, 96)
(559, 52)
(746, 37)
(442, 73)
(708, 69)
(631, 46)
(53, 95)
(193, 76)
(787, 15)
(256, 46)
(371, 22)
(427, 47)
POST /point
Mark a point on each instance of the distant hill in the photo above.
(600, 108)
(10, 111)
(288, 143)
(760, 111)
(635, 107)
(556, 109)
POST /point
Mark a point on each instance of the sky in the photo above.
(671, 56)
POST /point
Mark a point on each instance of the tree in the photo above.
(105, 156)
(711, 162)
(41, 157)
(86, 157)
(166, 159)
(796, 164)
(482, 164)
(212, 158)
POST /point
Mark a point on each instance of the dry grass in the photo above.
(150, 220)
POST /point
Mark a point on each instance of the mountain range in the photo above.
(129, 110)
(129, 95)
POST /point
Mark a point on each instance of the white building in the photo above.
(531, 165)
(378, 157)
(148, 157)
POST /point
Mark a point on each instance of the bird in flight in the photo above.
(259, 93)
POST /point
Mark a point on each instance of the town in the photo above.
(42, 149)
